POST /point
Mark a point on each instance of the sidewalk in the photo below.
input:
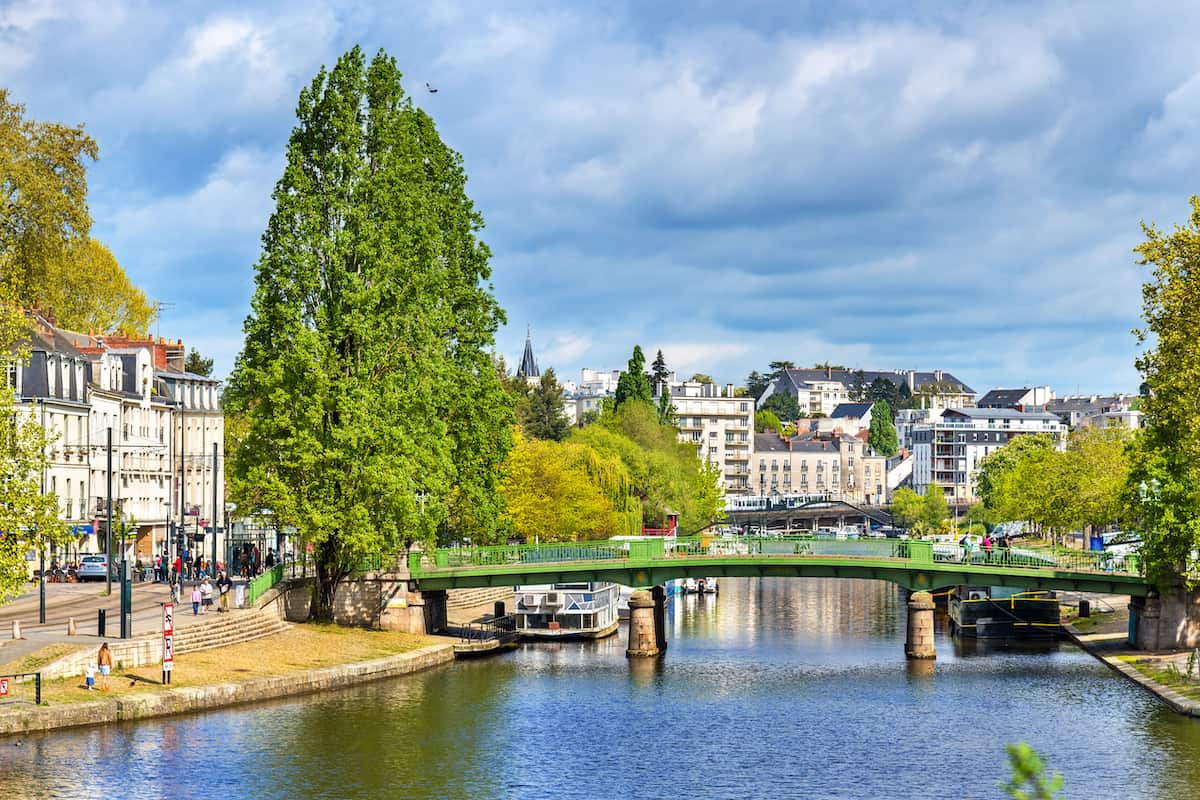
(82, 601)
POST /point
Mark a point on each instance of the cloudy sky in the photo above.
(889, 185)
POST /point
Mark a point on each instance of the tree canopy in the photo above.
(767, 422)
(374, 412)
(659, 374)
(46, 255)
(197, 364)
(756, 384)
(1164, 485)
(542, 416)
(783, 405)
(634, 384)
(882, 435)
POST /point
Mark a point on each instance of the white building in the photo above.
(720, 425)
(947, 451)
(820, 391)
(601, 382)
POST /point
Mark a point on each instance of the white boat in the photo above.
(689, 586)
(566, 610)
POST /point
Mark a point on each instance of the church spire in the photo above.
(529, 367)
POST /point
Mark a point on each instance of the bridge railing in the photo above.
(914, 551)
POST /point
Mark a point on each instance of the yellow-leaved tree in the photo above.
(550, 496)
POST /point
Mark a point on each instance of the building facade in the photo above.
(947, 451)
(720, 425)
(837, 465)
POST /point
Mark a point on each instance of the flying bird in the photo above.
(431, 89)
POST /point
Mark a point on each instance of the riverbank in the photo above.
(1105, 636)
(304, 659)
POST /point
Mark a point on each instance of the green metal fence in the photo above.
(912, 551)
(258, 586)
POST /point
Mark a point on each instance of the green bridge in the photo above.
(917, 565)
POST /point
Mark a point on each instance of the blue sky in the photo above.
(889, 185)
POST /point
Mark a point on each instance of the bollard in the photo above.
(1085, 609)
(70, 626)
(101, 615)
(16, 629)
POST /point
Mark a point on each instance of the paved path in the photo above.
(82, 601)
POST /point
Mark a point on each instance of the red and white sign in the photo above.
(3, 687)
(168, 630)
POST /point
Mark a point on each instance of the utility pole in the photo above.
(108, 526)
(214, 514)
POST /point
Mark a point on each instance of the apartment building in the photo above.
(720, 425)
(947, 451)
(198, 423)
(1080, 410)
(842, 465)
(820, 391)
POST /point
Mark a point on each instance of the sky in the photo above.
(917, 185)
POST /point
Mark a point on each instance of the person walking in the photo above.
(224, 585)
(196, 598)
(104, 662)
(206, 595)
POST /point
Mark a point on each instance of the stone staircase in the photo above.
(232, 628)
(470, 598)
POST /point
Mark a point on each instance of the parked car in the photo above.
(93, 568)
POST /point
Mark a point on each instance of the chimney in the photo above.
(937, 375)
(828, 372)
(729, 390)
(912, 380)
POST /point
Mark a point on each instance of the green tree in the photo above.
(632, 384)
(1029, 780)
(881, 389)
(43, 196)
(375, 415)
(87, 290)
(784, 406)
(756, 384)
(882, 435)
(767, 421)
(666, 409)
(907, 507)
(198, 364)
(934, 510)
(1164, 482)
(542, 417)
(858, 387)
(827, 365)
(659, 374)
(700, 377)
(998, 481)
(28, 515)
(778, 368)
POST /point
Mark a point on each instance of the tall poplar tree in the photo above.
(634, 383)
(882, 435)
(374, 413)
(1165, 479)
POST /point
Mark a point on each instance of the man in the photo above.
(224, 584)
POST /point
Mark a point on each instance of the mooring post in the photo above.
(643, 640)
(660, 617)
(918, 642)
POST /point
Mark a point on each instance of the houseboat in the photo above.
(996, 612)
(566, 610)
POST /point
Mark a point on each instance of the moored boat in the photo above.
(583, 610)
(998, 612)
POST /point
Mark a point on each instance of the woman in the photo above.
(196, 598)
(206, 595)
(104, 662)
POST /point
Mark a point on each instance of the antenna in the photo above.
(159, 307)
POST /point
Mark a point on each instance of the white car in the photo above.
(93, 568)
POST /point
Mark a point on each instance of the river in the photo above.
(778, 688)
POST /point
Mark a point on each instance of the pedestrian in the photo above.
(177, 571)
(255, 561)
(270, 562)
(196, 598)
(104, 662)
(157, 568)
(224, 584)
(89, 677)
(206, 593)
(987, 545)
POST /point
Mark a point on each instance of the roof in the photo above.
(182, 374)
(772, 443)
(796, 377)
(851, 410)
(997, 413)
(1002, 398)
(769, 443)
(529, 367)
(52, 341)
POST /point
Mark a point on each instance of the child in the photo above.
(89, 674)
(196, 597)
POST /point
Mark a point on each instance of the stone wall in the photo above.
(205, 698)
(1168, 620)
(372, 600)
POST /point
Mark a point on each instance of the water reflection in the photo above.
(776, 687)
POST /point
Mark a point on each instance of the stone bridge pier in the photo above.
(647, 623)
(918, 641)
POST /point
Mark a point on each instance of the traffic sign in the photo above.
(3, 687)
(168, 631)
